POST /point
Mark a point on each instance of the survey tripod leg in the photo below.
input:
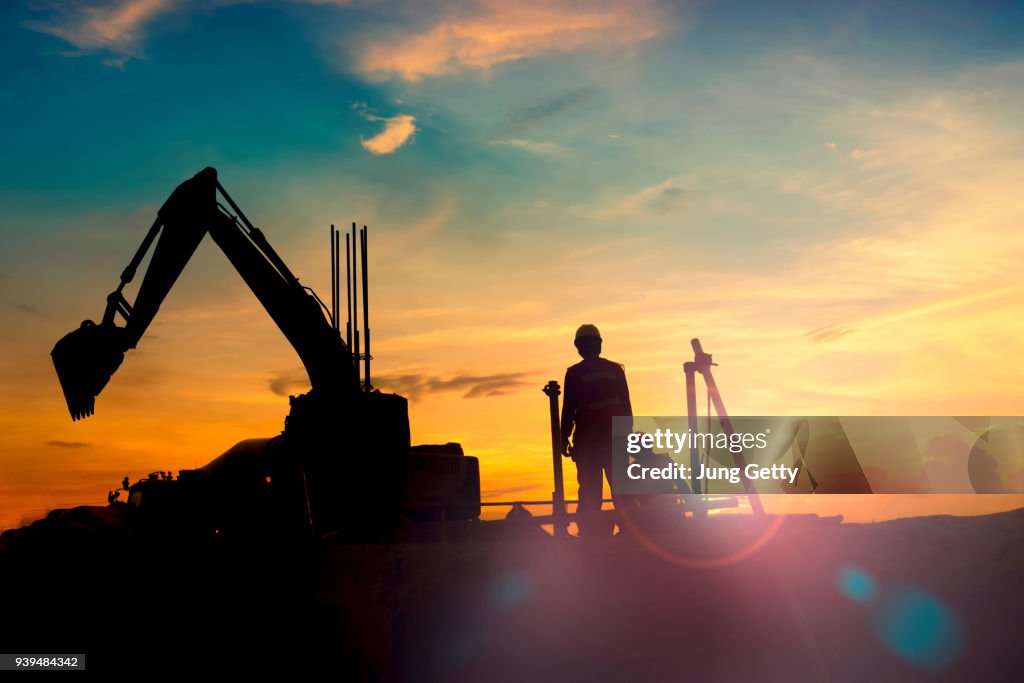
(702, 363)
(690, 368)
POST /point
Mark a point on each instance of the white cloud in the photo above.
(397, 131)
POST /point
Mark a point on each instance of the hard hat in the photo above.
(587, 330)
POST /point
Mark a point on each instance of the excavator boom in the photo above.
(86, 358)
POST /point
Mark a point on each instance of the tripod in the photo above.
(702, 364)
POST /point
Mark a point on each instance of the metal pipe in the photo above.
(334, 281)
(348, 292)
(337, 280)
(337, 259)
(553, 391)
(690, 368)
(499, 503)
(366, 309)
(355, 306)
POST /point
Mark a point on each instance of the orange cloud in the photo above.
(397, 131)
(498, 32)
(118, 27)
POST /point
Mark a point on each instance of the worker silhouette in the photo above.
(595, 392)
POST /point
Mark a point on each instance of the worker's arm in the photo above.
(568, 412)
(625, 395)
(627, 407)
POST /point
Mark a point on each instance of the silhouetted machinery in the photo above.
(343, 463)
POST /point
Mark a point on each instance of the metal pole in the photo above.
(690, 368)
(337, 280)
(553, 390)
(348, 292)
(355, 305)
(366, 309)
(334, 281)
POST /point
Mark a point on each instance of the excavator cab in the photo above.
(85, 359)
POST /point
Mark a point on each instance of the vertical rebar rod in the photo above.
(355, 305)
(366, 311)
(337, 281)
(334, 281)
(348, 292)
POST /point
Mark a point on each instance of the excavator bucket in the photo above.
(85, 359)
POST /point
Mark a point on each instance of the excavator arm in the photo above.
(86, 358)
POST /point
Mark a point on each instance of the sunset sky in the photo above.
(829, 195)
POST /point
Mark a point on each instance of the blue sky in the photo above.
(829, 185)
(261, 84)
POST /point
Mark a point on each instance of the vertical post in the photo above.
(334, 280)
(690, 368)
(553, 390)
(337, 281)
(366, 310)
(355, 305)
(348, 292)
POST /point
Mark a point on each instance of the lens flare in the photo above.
(919, 628)
(774, 523)
(857, 584)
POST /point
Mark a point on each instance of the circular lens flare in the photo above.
(748, 549)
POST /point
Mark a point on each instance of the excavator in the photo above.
(343, 464)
